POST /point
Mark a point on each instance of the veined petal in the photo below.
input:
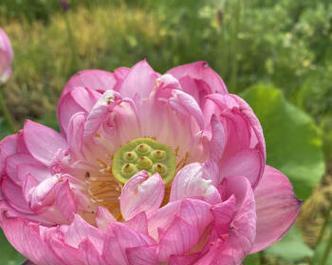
(141, 193)
(14, 161)
(53, 192)
(276, 207)
(120, 238)
(202, 74)
(218, 139)
(79, 230)
(29, 239)
(191, 182)
(139, 82)
(79, 99)
(139, 223)
(179, 238)
(13, 195)
(90, 253)
(248, 163)
(8, 146)
(185, 230)
(224, 213)
(42, 142)
(233, 245)
(104, 218)
(99, 112)
(145, 255)
(187, 106)
(94, 79)
(75, 133)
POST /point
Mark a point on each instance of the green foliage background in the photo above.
(276, 54)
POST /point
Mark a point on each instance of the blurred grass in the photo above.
(285, 43)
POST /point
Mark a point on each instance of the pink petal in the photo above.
(276, 206)
(79, 230)
(54, 193)
(13, 194)
(79, 99)
(192, 182)
(8, 147)
(139, 82)
(248, 163)
(39, 172)
(218, 139)
(236, 243)
(141, 193)
(243, 125)
(254, 123)
(29, 239)
(68, 254)
(162, 218)
(94, 79)
(187, 106)
(42, 142)
(119, 239)
(90, 253)
(104, 218)
(139, 223)
(224, 213)
(142, 255)
(75, 133)
(13, 163)
(184, 259)
(185, 230)
(202, 74)
(179, 238)
(99, 112)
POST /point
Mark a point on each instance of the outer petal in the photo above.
(54, 194)
(120, 238)
(30, 240)
(248, 163)
(185, 230)
(79, 230)
(99, 112)
(233, 240)
(139, 82)
(13, 162)
(206, 80)
(141, 194)
(79, 99)
(42, 142)
(187, 105)
(95, 79)
(104, 218)
(142, 255)
(276, 206)
(8, 147)
(91, 255)
(192, 182)
(6, 57)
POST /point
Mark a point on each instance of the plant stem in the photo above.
(6, 113)
(327, 250)
(71, 42)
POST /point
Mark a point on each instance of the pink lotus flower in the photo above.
(6, 57)
(148, 169)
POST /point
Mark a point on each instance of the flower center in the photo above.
(144, 154)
